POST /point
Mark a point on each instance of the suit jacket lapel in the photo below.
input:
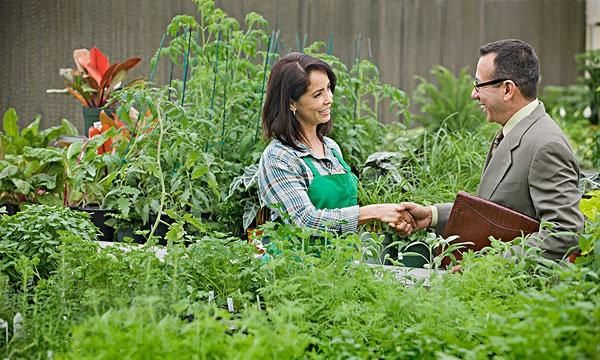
(496, 166)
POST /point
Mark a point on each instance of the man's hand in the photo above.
(392, 214)
(420, 214)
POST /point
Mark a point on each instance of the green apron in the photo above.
(332, 191)
(325, 192)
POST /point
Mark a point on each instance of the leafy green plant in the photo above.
(35, 232)
(589, 63)
(155, 178)
(88, 175)
(447, 103)
(429, 167)
(29, 171)
(35, 176)
(13, 141)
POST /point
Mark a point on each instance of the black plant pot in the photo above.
(415, 261)
(91, 115)
(129, 232)
(99, 217)
(11, 209)
(161, 230)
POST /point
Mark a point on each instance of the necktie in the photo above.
(497, 141)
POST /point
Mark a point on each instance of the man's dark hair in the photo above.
(289, 79)
(515, 60)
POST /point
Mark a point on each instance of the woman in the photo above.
(302, 171)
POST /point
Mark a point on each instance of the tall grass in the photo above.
(431, 167)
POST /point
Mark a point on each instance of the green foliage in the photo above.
(309, 300)
(88, 175)
(428, 167)
(567, 105)
(29, 171)
(359, 97)
(35, 233)
(163, 166)
(14, 142)
(35, 176)
(589, 63)
(140, 333)
(448, 103)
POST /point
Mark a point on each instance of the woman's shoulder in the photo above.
(276, 150)
(329, 142)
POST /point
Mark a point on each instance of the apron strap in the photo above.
(311, 166)
(314, 170)
(341, 160)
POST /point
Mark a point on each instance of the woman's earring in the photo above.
(293, 112)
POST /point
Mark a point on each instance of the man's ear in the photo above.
(510, 89)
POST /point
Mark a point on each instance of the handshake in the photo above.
(405, 217)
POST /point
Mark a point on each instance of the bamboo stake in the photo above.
(262, 90)
(155, 67)
(214, 86)
(186, 62)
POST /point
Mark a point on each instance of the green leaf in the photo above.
(10, 123)
(123, 205)
(199, 171)
(22, 186)
(31, 131)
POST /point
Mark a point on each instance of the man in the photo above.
(530, 166)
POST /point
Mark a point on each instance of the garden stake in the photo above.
(330, 44)
(230, 305)
(356, 62)
(170, 81)
(186, 62)
(262, 90)
(304, 41)
(275, 47)
(155, 67)
(224, 103)
(211, 297)
(214, 87)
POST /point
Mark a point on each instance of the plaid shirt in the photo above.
(284, 178)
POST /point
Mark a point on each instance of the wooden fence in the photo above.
(403, 37)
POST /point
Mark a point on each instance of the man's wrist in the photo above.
(434, 216)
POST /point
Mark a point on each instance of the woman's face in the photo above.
(314, 106)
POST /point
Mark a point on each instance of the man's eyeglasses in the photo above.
(477, 85)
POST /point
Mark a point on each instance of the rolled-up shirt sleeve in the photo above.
(283, 183)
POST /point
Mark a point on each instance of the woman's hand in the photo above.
(392, 214)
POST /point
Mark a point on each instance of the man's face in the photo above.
(491, 97)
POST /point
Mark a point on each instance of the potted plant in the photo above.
(93, 81)
(88, 178)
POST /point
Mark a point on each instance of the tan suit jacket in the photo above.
(533, 171)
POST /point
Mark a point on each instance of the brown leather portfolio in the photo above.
(475, 219)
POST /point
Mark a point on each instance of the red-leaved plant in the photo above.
(94, 78)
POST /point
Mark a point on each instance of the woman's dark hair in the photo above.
(289, 79)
